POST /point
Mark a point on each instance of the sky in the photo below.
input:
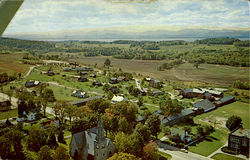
(60, 15)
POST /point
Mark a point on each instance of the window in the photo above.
(235, 140)
(244, 143)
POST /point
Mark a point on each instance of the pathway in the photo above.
(31, 69)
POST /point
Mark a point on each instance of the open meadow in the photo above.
(208, 73)
(10, 63)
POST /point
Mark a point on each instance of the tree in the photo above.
(110, 95)
(123, 125)
(60, 111)
(140, 101)
(176, 138)
(143, 132)
(37, 138)
(196, 64)
(21, 108)
(150, 151)
(52, 141)
(48, 95)
(208, 129)
(71, 111)
(153, 122)
(45, 153)
(60, 137)
(98, 105)
(166, 130)
(123, 156)
(125, 109)
(170, 107)
(200, 131)
(107, 62)
(15, 138)
(61, 153)
(233, 122)
(5, 149)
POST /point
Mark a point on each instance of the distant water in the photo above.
(164, 39)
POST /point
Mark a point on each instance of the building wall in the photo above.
(239, 143)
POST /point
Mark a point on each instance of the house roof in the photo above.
(139, 118)
(177, 131)
(240, 132)
(204, 104)
(201, 91)
(183, 113)
(85, 100)
(225, 99)
(118, 98)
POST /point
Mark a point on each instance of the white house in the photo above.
(31, 116)
(184, 135)
(117, 99)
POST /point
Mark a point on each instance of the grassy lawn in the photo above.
(165, 155)
(8, 114)
(219, 137)
(221, 156)
(221, 114)
(209, 144)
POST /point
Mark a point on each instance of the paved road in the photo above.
(179, 155)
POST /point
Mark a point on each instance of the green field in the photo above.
(218, 74)
(165, 155)
(218, 138)
(210, 144)
(8, 114)
(221, 114)
(221, 156)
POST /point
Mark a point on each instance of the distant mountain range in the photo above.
(114, 34)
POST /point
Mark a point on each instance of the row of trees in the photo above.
(39, 143)
(241, 85)
(4, 77)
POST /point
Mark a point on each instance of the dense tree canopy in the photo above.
(233, 122)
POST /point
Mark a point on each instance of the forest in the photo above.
(223, 51)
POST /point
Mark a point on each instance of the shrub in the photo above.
(227, 150)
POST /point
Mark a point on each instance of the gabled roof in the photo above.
(118, 98)
(177, 131)
(204, 104)
(225, 99)
(241, 132)
(85, 100)
(183, 113)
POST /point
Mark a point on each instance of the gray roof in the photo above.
(204, 104)
(225, 99)
(177, 131)
(90, 137)
(241, 133)
(188, 90)
(183, 113)
(139, 119)
(85, 100)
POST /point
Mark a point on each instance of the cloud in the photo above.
(54, 15)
